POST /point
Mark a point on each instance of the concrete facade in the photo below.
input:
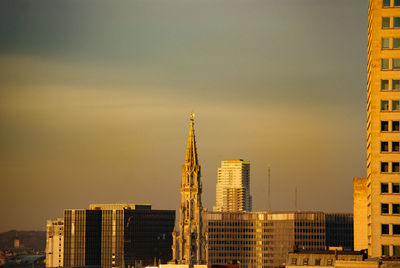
(383, 133)
(55, 243)
(360, 206)
(233, 186)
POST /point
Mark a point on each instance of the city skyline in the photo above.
(89, 107)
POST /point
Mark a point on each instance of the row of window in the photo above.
(395, 148)
(390, 84)
(385, 167)
(385, 126)
(385, 209)
(394, 107)
(386, 43)
(395, 251)
(385, 188)
(386, 3)
(385, 64)
(306, 261)
(386, 22)
(385, 229)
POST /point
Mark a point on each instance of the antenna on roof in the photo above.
(269, 188)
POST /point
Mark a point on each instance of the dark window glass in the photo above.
(384, 85)
(395, 146)
(384, 167)
(385, 22)
(396, 63)
(395, 125)
(305, 261)
(385, 43)
(385, 229)
(329, 262)
(396, 3)
(396, 251)
(386, 3)
(395, 167)
(395, 208)
(396, 22)
(396, 229)
(384, 188)
(318, 262)
(384, 146)
(384, 64)
(385, 250)
(385, 125)
(294, 261)
(384, 208)
(384, 105)
(395, 188)
(396, 42)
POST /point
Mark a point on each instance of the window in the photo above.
(329, 262)
(385, 250)
(395, 146)
(384, 64)
(384, 85)
(396, 229)
(395, 125)
(384, 167)
(396, 167)
(385, 22)
(395, 208)
(385, 43)
(384, 188)
(395, 105)
(318, 262)
(385, 229)
(395, 84)
(386, 3)
(396, 43)
(396, 251)
(294, 261)
(384, 208)
(396, 22)
(384, 105)
(395, 188)
(396, 63)
(396, 3)
(384, 126)
(384, 146)
(305, 261)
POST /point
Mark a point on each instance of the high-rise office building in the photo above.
(55, 243)
(263, 239)
(233, 186)
(378, 226)
(189, 245)
(117, 235)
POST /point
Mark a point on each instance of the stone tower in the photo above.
(190, 243)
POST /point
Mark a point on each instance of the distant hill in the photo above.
(28, 239)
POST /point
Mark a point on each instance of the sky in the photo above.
(95, 99)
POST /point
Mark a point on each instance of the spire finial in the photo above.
(191, 116)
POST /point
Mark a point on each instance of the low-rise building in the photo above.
(318, 258)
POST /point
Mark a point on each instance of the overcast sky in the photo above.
(95, 97)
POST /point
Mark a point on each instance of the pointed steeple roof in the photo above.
(191, 150)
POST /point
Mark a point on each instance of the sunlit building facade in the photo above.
(117, 235)
(233, 186)
(263, 239)
(378, 228)
(55, 243)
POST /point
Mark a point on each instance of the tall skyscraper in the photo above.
(379, 231)
(233, 186)
(190, 245)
